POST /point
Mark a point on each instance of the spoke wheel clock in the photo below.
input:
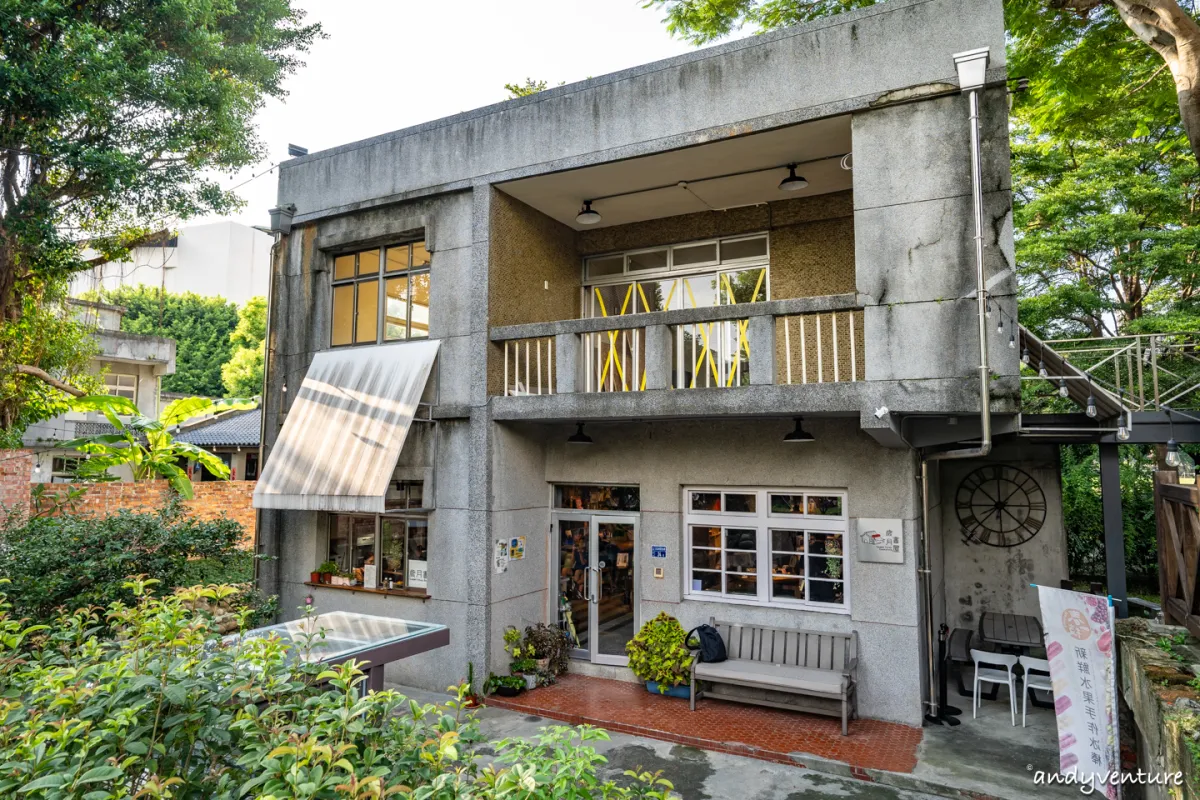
(1000, 506)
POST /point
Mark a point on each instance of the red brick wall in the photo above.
(16, 466)
(212, 499)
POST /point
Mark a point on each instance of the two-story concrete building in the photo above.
(676, 338)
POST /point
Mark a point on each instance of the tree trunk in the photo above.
(1186, 72)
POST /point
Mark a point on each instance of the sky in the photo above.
(389, 64)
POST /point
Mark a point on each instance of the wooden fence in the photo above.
(1177, 509)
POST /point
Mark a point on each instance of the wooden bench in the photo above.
(783, 667)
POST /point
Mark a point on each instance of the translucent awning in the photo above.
(345, 429)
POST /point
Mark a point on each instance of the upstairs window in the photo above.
(120, 384)
(381, 295)
(691, 275)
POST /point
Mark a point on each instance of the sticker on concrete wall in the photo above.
(501, 555)
(516, 548)
(418, 574)
(880, 541)
(658, 551)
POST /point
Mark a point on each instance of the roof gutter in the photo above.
(972, 70)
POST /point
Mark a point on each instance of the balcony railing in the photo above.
(796, 341)
(529, 366)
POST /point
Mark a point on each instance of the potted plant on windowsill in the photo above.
(660, 657)
(325, 571)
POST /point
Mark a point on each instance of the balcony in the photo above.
(798, 355)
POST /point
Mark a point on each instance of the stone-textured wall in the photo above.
(211, 500)
(979, 577)
(528, 251)
(1164, 705)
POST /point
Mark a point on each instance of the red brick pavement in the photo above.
(736, 728)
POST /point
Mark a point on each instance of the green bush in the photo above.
(1083, 513)
(70, 561)
(659, 653)
(166, 708)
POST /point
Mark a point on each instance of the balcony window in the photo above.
(381, 295)
(690, 275)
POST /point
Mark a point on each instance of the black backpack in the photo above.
(710, 645)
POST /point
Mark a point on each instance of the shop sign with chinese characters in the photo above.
(880, 541)
(1081, 650)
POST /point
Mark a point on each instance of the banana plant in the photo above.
(147, 446)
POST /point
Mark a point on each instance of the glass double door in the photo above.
(597, 584)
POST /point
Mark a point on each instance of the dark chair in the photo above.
(958, 654)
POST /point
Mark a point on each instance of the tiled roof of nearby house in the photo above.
(231, 429)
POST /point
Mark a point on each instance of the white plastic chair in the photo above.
(1040, 681)
(988, 674)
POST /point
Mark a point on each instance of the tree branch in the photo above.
(46, 377)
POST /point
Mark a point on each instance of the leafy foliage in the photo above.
(659, 652)
(46, 334)
(167, 709)
(530, 86)
(146, 445)
(200, 326)
(243, 373)
(550, 642)
(1083, 513)
(116, 114)
(73, 561)
(702, 21)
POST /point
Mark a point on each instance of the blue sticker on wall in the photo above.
(657, 551)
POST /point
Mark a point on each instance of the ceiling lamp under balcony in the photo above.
(579, 437)
(799, 435)
(587, 215)
(793, 182)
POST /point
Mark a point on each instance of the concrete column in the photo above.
(761, 335)
(1114, 529)
(659, 343)
(566, 363)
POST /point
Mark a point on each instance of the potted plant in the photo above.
(523, 662)
(325, 571)
(660, 657)
(504, 685)
(551, 650)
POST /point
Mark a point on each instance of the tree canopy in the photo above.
(200, 326)
(117, 116)
(242, 374)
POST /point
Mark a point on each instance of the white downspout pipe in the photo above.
(972, 72)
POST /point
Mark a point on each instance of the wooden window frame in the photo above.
(381, 277)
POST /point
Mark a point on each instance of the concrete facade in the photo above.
(895, 250)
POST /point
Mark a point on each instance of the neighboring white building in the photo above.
(225, 259)
(133, 366)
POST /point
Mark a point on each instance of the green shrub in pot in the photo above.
(659, 653)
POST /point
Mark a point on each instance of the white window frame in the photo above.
(764, 521)
(108, 388)
(715, 268)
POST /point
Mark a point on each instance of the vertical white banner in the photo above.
(1081, 647)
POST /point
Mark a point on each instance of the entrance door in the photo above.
(597, 584)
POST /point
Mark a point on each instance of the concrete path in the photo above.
(696, 774)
